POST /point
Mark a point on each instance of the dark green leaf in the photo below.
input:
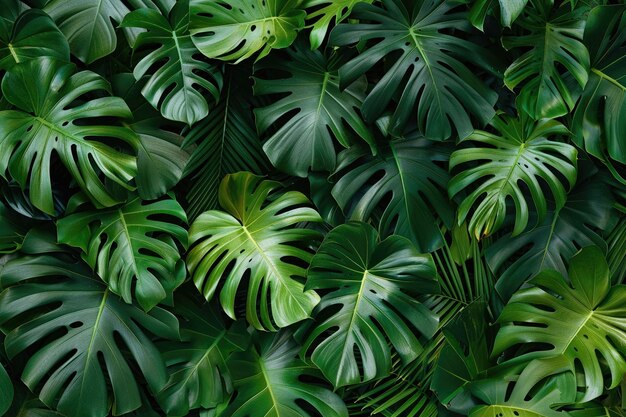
(371, 303)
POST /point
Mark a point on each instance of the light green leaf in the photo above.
(237, 30)
(255, 236)
(326, 12)
(521, 153)
(584, 322)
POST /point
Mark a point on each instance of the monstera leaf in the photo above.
(549, 245)
(319, 107)
(556, 53)
(506, 398)
(50, 121)
(177, 80)
(34, 35)
(160, 159)
(255, 237)
(199, 377)
(82, 344)
(522, 152)
(583, 322)
(369, 303)
(88, 24)
(600, 116)
(238, 29)
(268, 381)
(411, 192)
(427, 70)
(509, 11)
(326, 12)
(130, 248)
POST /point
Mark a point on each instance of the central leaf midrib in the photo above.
(352, 319)
(96, 325)
(273, 267)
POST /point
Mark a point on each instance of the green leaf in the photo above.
(370, 289)
(129, 248)
(509, 11)
(34, 35)
(521, 153)
(326, 12)
(255, 236)
(549, 245)
(406, 181)
(555, 56)
(160, 159)
(12, 230)
(84, 344)
(268, 381)
(525, 399)
(88, 24)
(600, 116)
(427, 71)
(9, 13)
(177, 80)
(316, 107)
(236, 30)
(199, 377)
(584, 321)
(227, 143)
(6, 391)
(464, 356)
(51, 121)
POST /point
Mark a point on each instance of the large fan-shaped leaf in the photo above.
(199, 376)
(521, 153)
(515, 260)
(556, 53)
(255, 236)
(227, 142)
(411, 192)
(83, 345)
(88, 24)
(34, 35)
(268, 380)
(429, 75)
(600, 117)
(237, 29)
(326, 12)
(160, 159)
(129, 248)
(584, 321)
(51, 122)
(371, 303)
(317, 107)
(177, 80)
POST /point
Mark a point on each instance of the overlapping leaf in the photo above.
(319, 111)
(326, 12)
(370, 303)
(522, 152)
(430, 78)
(83, 345)
(178, 81)
(52, 119)
(255, 238)
(133, 247)
(238, 29)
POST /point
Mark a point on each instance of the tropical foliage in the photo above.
(312, 208)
